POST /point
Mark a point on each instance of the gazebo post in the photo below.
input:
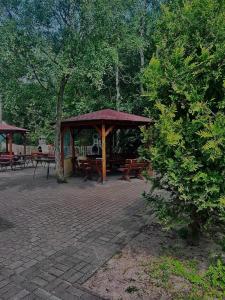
(73, 148)
(10, 143)
(110, 147)
(24, 144)
(103, 153)
(62, 148)
(6, 143)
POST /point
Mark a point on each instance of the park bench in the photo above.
(133, 167)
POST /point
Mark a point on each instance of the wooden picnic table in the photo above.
(45, 160)
(134, 166)
(28, 158)
(7, 160)
(90, 166)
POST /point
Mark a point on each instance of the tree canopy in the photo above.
(101, 45)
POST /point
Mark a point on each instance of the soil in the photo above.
(126, 275)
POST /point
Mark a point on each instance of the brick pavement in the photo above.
(54, 237)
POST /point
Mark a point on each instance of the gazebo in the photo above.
(104, 122)
(8, 131)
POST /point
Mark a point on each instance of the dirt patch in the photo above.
(127, 275)
(124, 277)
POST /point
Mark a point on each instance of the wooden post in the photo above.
(7, 143)
(62, 148)
(110, 148)
(10, 143)
(73, 148)
(24, 145)
(103, 153)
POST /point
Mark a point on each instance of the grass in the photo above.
(209, 284)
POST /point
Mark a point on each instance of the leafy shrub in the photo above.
(185, 91)
(216, 275)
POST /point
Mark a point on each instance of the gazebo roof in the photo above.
(108, 115)
(6, 128)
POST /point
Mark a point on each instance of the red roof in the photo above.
(109, 115)
(4, 128)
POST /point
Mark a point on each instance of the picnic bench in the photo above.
(5, 161)
(90, 166)
(11, 161)
(18, 161)
(133, 167)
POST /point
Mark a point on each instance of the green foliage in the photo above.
(185, 96)
(222, 243)
(201, 285)
(216, 275)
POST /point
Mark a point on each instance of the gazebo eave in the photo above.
(90, 124)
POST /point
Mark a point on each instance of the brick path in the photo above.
(54, 237)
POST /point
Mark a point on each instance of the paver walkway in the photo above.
(54, 237)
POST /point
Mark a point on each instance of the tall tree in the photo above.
(52, 41)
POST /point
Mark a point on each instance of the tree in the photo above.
(185, 95)
(62, 58)
(51, 41)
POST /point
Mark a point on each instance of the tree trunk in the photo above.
(59, 169)
(141, 50)
(142, 59)
(117, 137)
(194, 229)
(0, 109)
(117, 88)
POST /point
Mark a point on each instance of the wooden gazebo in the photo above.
(8, 131)
(104, 121)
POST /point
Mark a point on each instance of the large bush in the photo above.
(185, 95)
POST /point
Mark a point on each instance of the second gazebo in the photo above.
(7, 131)
(104, 121)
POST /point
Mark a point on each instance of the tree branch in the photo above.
(37, 78)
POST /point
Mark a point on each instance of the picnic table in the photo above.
(43, 160)
(135, 167)
(28, 158)
(90, 166)
(7, 160)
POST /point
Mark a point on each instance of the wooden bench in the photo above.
(18, 161)
(135, 167)
(90, 166)
(12, 161)
(6, 161)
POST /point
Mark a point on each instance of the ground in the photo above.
(129, 274)
(54, 237)
(85, 240)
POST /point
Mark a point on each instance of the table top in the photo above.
(45, 159)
